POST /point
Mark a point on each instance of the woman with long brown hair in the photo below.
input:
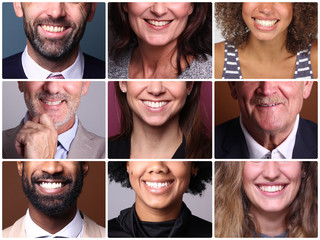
(160, 120)
(266, 199)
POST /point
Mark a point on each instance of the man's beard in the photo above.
(52, 205)
(53, 49)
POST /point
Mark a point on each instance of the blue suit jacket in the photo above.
(230, 141)
(12, 67)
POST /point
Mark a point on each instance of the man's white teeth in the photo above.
(158, 23)
(52, 28)
(155, 104)
(49, 185)
(271, 189)
(52, 103)
(268, 105)
(158, 184)
(265, 23)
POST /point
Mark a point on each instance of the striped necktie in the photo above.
(59, 76)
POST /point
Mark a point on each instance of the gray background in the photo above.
(91, 111)
(120, 198)
(14, 39)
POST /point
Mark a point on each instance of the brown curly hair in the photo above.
(302, 30)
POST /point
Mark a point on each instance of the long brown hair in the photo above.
(232, 215)
(198, 138)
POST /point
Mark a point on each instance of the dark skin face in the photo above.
(52, 188)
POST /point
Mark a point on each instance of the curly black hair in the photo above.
(302, 30)
(117, 172)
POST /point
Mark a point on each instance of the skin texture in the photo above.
(156, 131)
(38, 137)
(66, 169)
(165, 205)
(156, 52)
(269, 109)
(54, 51)
(271, 209)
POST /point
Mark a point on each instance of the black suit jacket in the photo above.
(12, 67)
(230, 141)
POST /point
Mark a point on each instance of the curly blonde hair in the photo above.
(302, 30)
(232, 215)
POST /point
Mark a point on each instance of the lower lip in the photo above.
(56, 35)
(52, 191)
(158, 27)
(262, 28)
(159, 109)
(158, 191)
(272, 194)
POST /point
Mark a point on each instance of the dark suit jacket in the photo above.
(230, 141)
(12, 67)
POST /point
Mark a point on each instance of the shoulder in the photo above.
(115, 229)
(16, 230)
(92, 229)
(119, 147)
(314, 58)
(200, 68)
(8, 139)
(12, 67)
(119, 68)
(228, 125)
(219, 59)
(198, 227)
(93, 67)
(309, 126)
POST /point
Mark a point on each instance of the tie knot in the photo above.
(58, 76)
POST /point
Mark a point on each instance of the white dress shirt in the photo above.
(283, 151)
(74, 229)
(34, 71)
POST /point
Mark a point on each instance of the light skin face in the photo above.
(270, 108)
(271, 187)
(54, 29)
(158, 23)
(52, 182)
(156, 102)
(267, 20)
(159, 187)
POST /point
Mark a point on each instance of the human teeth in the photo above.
(268, 105)
(158, 23)
(158, 184)
(52, 103)
(271, 189)
(155, 104)
(49, 185)
(265, 23)
(52, 28)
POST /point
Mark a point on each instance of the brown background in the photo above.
(226, 108)
(91, 200)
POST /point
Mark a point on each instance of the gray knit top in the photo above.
(200, 68)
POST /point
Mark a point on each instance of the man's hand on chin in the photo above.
(37, 139)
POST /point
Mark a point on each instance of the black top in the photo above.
(120, 148)
(186, 225)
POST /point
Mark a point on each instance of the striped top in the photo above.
(231, 69)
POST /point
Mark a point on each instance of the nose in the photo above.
(157, 167)
(52, 167)
(56, 9)
(271, 170)
(155, 88)
(159, 8)
(266, 8)
(267, 88)
(52, 87)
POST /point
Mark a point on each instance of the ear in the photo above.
(194, 170)
(17, 6)
(20, 167)
(233, 91)
(123, 86)
(124, 7)
(85, 168)
(307, 89)
(127, 165)
(85, 87)
(189, 87)
(92, 11)
(20, 85)
(191, 9)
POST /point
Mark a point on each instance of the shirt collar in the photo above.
(65, 138)
(283, 151)
(74, 229)
(34, 71)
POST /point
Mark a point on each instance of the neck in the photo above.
(52, 224)
(155, 142)
(65, 127)
(53, 65)
(149, 214)
(271, 224)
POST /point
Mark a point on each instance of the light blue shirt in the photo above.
(74, 229)
(64, 139)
